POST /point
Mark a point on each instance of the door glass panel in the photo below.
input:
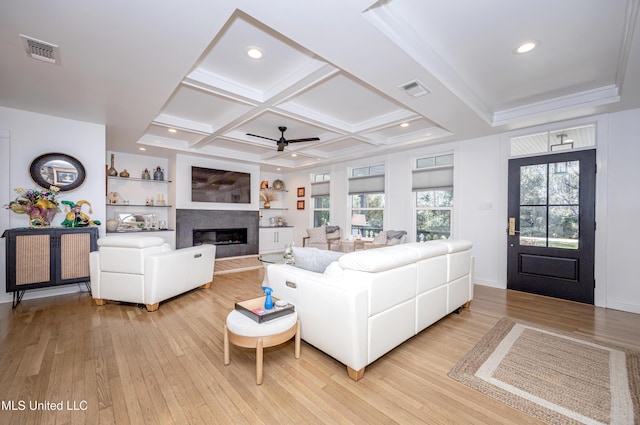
(533, 226)
(564, 183)
(549, 204)
(533, 184)
(563, 227)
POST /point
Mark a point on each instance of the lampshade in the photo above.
(358, 220)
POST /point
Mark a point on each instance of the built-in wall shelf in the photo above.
(138, 179)
(139, 205)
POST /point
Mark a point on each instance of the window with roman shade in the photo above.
(320, 191)
(432, 185)
(366, 194)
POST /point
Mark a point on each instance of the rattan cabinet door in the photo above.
(74, 258)
(32, 259)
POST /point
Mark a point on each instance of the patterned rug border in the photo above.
(464, 371)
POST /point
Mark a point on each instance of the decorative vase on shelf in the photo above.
(124, 174)
(146, 175)
(267, 204)
(112, 225)
(278, 184)
(112, 172)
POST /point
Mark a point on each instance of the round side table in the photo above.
(242, 331)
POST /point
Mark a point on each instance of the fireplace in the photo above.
(220, 236)
(234, 232)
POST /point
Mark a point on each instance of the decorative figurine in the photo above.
(75, 217)
(146, 175)
(158, 174)
(268, 301)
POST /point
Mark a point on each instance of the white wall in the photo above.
(31, 135)
(623, 204)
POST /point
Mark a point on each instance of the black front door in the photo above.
(550, 247)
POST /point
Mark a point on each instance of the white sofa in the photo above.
(369, 302)
(145, 270)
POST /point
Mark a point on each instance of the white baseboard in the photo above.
(618, 305)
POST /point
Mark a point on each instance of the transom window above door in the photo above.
(573, 138)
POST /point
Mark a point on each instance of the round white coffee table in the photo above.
(245, 332)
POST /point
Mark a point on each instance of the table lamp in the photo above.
(358, 220)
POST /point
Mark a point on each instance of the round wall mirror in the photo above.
(57, 169)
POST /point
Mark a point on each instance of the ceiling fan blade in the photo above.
(262, 137)
(310, 139)
(281, 147)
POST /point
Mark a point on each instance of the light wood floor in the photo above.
(128, 366)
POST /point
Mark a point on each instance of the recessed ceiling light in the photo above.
(278, 169)
(404, 125)
(526, 47)
(294, 154)
(254, 53)
(142, 149)
(173, 130)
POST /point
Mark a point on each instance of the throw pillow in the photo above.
(314, 259)
(380, 238)
(317, 235)
(395, 234)
(395, 237)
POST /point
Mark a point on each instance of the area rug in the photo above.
(554, 376)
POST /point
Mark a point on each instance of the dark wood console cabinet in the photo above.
(39, 258)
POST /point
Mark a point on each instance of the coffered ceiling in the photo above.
(177, 78)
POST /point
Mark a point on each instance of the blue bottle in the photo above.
(268, 301)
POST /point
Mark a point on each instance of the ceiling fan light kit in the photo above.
(282, 142)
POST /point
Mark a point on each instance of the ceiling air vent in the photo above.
(40, 50)
(415, 88)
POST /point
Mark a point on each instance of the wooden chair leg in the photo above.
(356, 375)
(259, 358)
(297, 340)
(227, 360)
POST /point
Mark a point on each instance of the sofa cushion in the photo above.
(377, 260)
(334, 270)
(314, 259)
(317, 235)
(131, 241)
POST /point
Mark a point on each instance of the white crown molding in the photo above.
(216, 84)
(183, 124)
(586, 99)
(627, 41)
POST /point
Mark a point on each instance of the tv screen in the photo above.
(210, 185)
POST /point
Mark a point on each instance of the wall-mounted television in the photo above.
(211, 185)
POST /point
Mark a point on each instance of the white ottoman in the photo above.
(242, 331)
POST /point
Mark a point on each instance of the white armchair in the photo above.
(145, 270)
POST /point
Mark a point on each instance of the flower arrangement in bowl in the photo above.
(267, 196)
(41, 205)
